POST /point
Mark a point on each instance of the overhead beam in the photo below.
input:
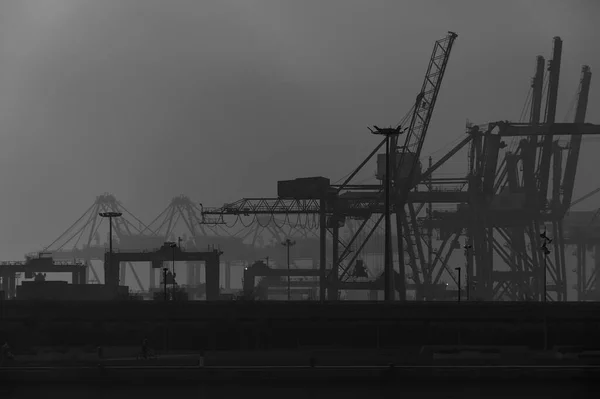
(554, 129)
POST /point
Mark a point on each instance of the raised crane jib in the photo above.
(424, 105)
(568, 180)
(415, 136)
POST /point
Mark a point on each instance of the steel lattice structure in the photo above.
(524, 176)
(82, 240)
(518, 184)
(334, 209)
(243, 239)
(492, 229)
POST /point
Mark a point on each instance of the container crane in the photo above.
(575, 142)
(408, 168)
(525, 170)
(406, 159)
(334, 205)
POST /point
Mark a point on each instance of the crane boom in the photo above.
(419, 122)
(404, 176)
(424, 106)
(575, 144)
(551, 101)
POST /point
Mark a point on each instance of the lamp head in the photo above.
(110, 214)
(387, 131)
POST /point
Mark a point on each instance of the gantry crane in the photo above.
(409, 164)
(77, 241)
(183, 211)
(495, 203)
(493, 189)
(334, 204)
(407, 169)
(528, 168)
(200, 232)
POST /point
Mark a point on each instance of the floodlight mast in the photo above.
(388, 276)
(110, 216)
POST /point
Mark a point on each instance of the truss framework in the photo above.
(82, 239)
(492, 229)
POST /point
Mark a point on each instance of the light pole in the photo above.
(110, 216)
(389, 291)
(459, 287)
(173, 246)
(288, 243)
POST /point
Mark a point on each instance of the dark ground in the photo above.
(289, 326)
(520, 390)
(240, 334)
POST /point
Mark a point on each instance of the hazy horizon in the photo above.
(218, 100)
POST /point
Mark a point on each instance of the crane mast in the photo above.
(551, 101)
(404, 176)
(537, 85)
(575, 142)
(501, 214)
(426, 99)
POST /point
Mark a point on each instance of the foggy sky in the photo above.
(217, 100)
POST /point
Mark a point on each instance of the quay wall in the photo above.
(238, 325)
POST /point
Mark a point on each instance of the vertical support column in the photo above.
(596, 283)
(323, 249)
(315, 289)
(399, 289)
(198, 272)
(429, 232)
(388, 263)
(75, 277)
(212, 277)
(489, 270)
(5, 284)
(189, 273)
(480, 260)
(111, 271)
(12, 285)
(152, 275)
(227, 275)
(469, 255)
(583, 272)
(86, 272)
(122, 273)
(107, 271)
(562, 289)
(578, 267)
(332, 289)
(248, 282)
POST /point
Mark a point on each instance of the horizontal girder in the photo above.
(555, 129)
(350, 204)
